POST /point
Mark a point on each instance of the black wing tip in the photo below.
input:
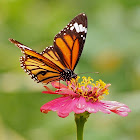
(82, 14)
(82, 17)
(14, 41)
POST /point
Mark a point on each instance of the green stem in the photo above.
(80, 120)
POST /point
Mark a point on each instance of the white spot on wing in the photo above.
(85, 30)
(25, 47)
(83, 14)
(76, 27)
(81, 28)
(71, 28)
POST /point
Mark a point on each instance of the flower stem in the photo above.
(80, 120)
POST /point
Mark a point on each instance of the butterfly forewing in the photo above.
(70, 41)
(37, 69)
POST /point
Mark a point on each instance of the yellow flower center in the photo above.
(88, 89)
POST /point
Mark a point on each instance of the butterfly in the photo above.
(56, 62)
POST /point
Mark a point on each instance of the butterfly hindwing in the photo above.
(38, 70)
(70, 41)
(53, 56)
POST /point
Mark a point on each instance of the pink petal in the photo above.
(116, 107)
(63, 106)
(90, 108)
(49, 91)
(64, 110)
(97, 106)
(62, 91)
(62, 115)
(53, 105)
(107, 85)
(80, 106)
(102, 108)
(58, 85)
(65, 91)
(124, 114)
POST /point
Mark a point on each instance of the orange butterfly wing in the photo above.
(70, 41)
(55, 61)
(40, 67)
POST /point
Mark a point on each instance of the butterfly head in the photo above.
(68, 74)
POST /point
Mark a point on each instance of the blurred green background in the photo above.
(112, 48)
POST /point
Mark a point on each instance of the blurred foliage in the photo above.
(112, 48)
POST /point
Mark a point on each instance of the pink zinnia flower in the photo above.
(82, 97)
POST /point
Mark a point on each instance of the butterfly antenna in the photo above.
(88, 72)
